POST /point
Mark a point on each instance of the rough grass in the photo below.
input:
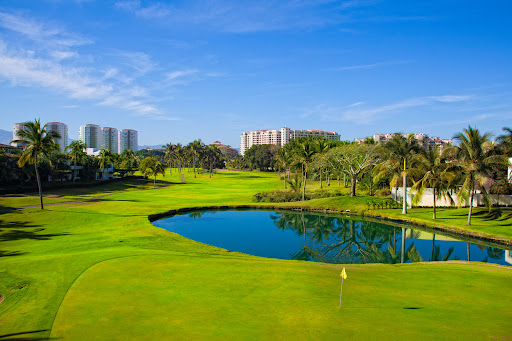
(102, 271)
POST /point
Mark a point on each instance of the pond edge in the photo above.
(450, 231)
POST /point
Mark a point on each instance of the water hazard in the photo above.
(326, 238)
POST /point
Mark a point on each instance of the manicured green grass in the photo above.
(103, 271)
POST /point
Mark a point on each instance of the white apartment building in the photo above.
(279, 137)
(110, 139)
(423, 138)
(128, 139)
(62, 129)
(15, 129)
(91, 135)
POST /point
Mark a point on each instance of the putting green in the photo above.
(232, 297)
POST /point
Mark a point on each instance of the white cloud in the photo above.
(47, 57)
(369, 66)
(242, 17)
(180, 74)
(359, 113)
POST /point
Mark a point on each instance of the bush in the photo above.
(501, 187)
(383, 192)
(290, 196)
(279, 196)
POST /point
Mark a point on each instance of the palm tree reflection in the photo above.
(335, 239)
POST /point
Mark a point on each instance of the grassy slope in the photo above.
(159, 284)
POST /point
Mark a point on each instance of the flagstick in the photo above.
(341, 291)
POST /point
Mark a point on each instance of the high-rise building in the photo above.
(110, 139)
(423, 139)
(128, 140)
(15, 129)
(62, 129)
(280, 137)
(90, 134)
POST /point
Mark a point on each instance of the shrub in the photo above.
(278, 196)
(383, 192)
(501, 187)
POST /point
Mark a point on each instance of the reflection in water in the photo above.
(326, 238)
(345, 240)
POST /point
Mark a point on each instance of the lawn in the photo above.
(101, 270)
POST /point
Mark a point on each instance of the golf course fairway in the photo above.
(102, 271)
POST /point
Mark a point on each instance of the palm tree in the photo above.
(304, 156)
(505, 141)
(196, 149)
(213, 155)
(39, 143)
(104, 157)
(474, 158)
(170, 154)
(436, 177)
(76, 151)
(283, 160)
(403, 150)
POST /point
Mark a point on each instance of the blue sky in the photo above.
(181, 70)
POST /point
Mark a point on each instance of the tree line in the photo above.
(473, 164)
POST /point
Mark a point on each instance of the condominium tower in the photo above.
(91, 135)
(280, 137)
(15, 129)
(62, 129)
(110, 139)
(128, 140)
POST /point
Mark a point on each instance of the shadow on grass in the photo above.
(11, 253)
(35, 235)
(494, 214)
(25, 336)
(108, 214)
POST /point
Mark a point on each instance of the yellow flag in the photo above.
(344, 274)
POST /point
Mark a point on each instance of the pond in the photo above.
(330, 238)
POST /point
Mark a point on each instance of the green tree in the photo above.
(401, 150)
(39, 144)
(474, 159)
(305, 150)
(104, 158)
(212, 156)
(196, 149)
(77, 154)
(353, 159)
(152, 167)
(436, 176)
(170, 155)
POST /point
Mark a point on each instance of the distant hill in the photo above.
(5, 136)
(155, 146)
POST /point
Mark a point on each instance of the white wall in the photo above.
(428, 198)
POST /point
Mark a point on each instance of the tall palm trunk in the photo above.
(404, 209)
(38, 183)
(469, 254)
(194, 164)
(284, 178)
(471, 202)
(353, 186)
(321, 178)
(303, 182)
(434, 216)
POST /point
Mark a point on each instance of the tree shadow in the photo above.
(25, 336)
(11, 253)
(494, 214)
(35, 235)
